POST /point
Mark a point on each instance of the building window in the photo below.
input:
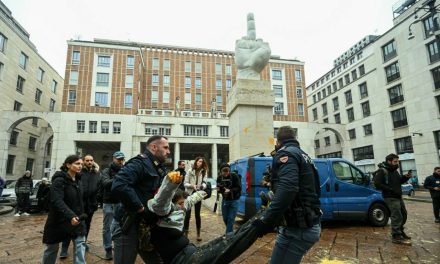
(101, 99)
(403, 145)
(298, 75)
(389, 51)
(166, 65)
(129, 81)
(436, 77)
(392, 72)
(278, 90)
(93, 127)
(315, 114)
(166, 97)
(337, 139)
(348, 98)
(219, 99)
(199, 98)
(228, 84)
(198, 82)
(2, 69)
(363, 153)
(196, 131)
(130, 62)
(166, 80)
(38, 94)
(155, 79)
(368, 130)
(23, 60)
(396, 95)
(53, 87)
(337, 118)
(434, 54)
(301, 109)
(324, 109)
(20, 84)
(224, 131)
(347, 79)
(354, 75)
(299, 92)
(40, 75)
(329, 89)
(105, 127)
(52, 105)
(32, 143)
(35, 121)
(198, 67)
(154, 97)
(228, 69)
(80, 126)
(314, 98)
(75, 57)
(116, 127)
(72, 97)
(363, 90)
(279, 108)
(128, 102)
(10, 164)
(3, 41)
(437, 99)
(340, 82)
(104, 61)
(29, 164)
(399, 117)
(327, 141)
(365, 109)
(361, 70)
(102, 79)
(335, 104)
(187, 98)
(17, 106)
(155, 64)
(187, 66)
(429, 26)
(335, 87)
(218, 84)
(277, 75)
(316, 143)
(352, 133)
(350, 115)
(73, 80)
(157, 129)
(218, 69)
(325, 120)
(187, 82)
(14, 138)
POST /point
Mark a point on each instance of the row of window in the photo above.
(277, 74)
(18, 105)
(279, 92)
(32, 143)
(278, 109)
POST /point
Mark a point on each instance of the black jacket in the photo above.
(107, 177)
(183, 173)
(136, 183)
(431, 182)
(389, 182)
(65, 204)
(231, 182)
(24, 185)
(89, 183)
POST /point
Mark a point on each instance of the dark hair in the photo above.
(436, 168)
(391, 156)
(69, 160)
(204, 164)
(87, 155)
(285, 133)
(154, 138)
(180, 162)
(179, 195)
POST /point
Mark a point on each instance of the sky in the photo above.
(315, 32)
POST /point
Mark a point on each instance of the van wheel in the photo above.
(378, 215)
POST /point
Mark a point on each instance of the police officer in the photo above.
(295, 183)
(134, 185)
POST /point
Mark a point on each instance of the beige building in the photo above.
(27, 84)
(384, 94)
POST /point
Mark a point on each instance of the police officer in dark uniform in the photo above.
(134, 185)
(295, 183)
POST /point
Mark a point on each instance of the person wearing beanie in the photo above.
(229, 186)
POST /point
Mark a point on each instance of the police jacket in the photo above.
(389, 181)
(65, 204)
(90, 183)
(107, 177)
(294, 182)
(431, 182)
(136, 183)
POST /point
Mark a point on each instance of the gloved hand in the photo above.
(261, 227)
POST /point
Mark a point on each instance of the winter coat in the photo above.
(24, 185)
(65, 203)
(431, 182)
(194, 177)
(107, 177)
(89, 183)
(389, 182)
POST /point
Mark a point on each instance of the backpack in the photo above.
(375, 175)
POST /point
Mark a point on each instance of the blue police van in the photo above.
(346, 192)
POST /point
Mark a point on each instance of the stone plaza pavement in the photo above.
(341, 242)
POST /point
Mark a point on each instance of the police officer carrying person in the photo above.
(295, 183)
(134, 185)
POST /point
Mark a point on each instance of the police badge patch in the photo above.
(284, 159)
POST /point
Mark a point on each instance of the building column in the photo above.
(176, 154)
(214, 159)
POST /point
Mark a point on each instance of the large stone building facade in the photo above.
(384, 94)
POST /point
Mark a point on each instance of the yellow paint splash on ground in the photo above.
(334, 261)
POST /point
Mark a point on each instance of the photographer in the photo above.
(229, 185)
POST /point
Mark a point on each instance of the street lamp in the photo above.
(430, 10)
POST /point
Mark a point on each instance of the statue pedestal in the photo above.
(250, 110)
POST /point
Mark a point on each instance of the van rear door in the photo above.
(326, 188)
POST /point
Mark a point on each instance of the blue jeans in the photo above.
(108, 211)
(126, 246)
(79, 248)
(292, 243)
(229, 211)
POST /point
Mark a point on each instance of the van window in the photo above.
(347, 173)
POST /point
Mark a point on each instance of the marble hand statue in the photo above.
(251, 54)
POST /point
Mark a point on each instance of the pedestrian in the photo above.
(43, 195)
(432, 183)
(181, 169)
(23, 190)
(296, 187)
(193, 183)
(66, 213)
(134, 185)
(90, 177)
(229, 186)
(388, 179)
(109, 203)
